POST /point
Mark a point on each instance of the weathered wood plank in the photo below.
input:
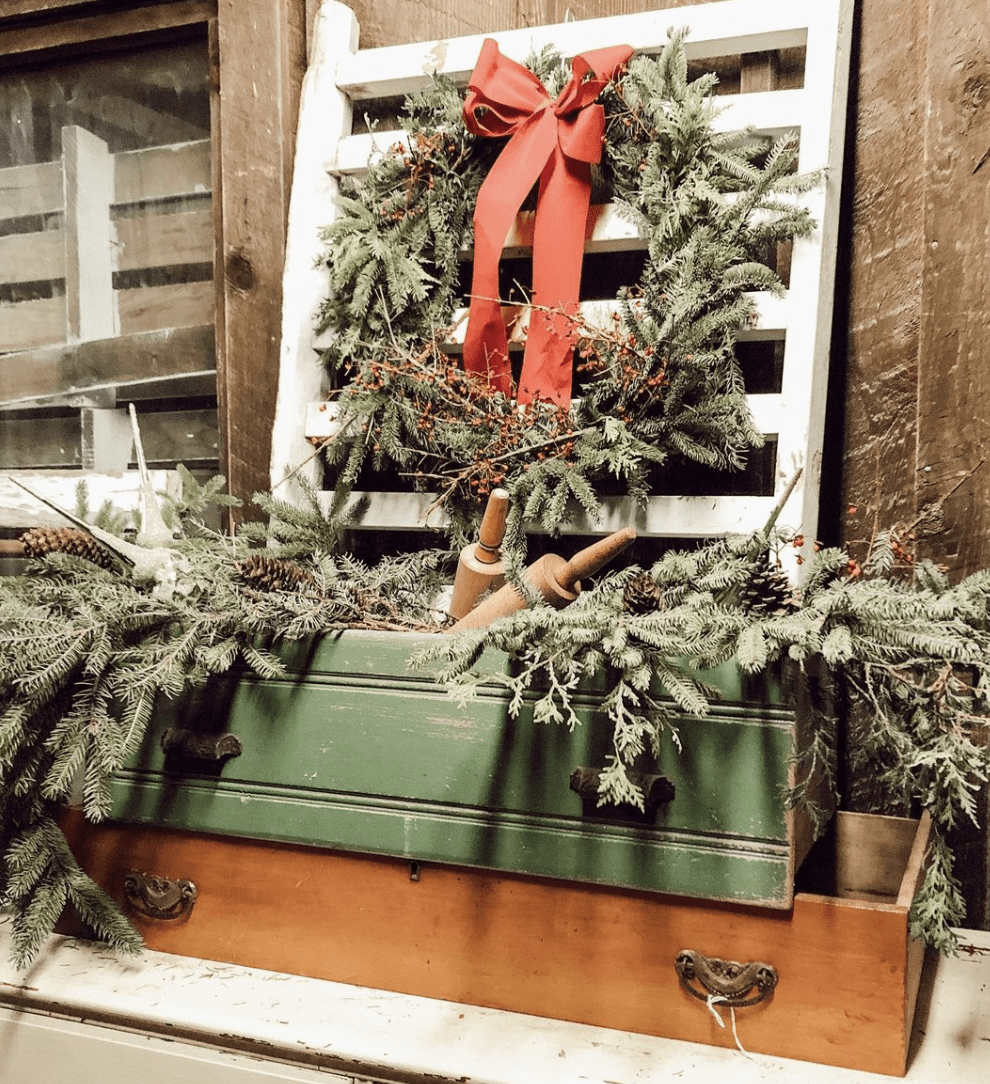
(20, 510)
(32, 257)
(63, 369)
(887, 238)
(182, 304)
(258, 44)
(80, 28)
(953, 343)
(89, 301)
(30, 190)
(164, 240)
(177, 169)
(954, 378)
(28, 324)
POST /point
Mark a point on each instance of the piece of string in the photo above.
(714, 999)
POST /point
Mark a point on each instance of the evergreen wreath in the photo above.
(658, 384)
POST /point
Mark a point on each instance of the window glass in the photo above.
(106, 250)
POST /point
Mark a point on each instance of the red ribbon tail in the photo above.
(486, 352)
(558, 252)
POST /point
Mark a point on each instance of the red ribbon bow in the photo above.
(554, 142)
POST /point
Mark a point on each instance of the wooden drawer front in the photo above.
(848, 974)
(351, 750)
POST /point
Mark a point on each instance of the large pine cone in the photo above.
(41, 541)
(273, 573)
(642, 595)
(767, 592)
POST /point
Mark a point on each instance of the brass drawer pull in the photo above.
(731, 983)
(159, 897)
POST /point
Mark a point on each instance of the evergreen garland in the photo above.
(659, 382)
(86, 651)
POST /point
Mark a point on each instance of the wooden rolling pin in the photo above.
(480, 567)
(557, 581)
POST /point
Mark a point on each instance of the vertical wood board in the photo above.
(259, 59)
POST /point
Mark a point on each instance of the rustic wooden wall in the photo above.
(916, 366)
(911, 361)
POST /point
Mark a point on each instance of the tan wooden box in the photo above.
(848, 972)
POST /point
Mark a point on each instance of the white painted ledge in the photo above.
(84, 1016)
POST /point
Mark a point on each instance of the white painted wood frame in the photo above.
(342, 76)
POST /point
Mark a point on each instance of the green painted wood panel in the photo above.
(354, 750)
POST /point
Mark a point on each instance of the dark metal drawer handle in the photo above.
(194, 744)
(731, 983)
(159, 897)
(656, 788)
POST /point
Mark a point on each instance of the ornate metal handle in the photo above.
(159, 897)
(734, 984)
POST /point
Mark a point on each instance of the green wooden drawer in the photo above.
(353, 750)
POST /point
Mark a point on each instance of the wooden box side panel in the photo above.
(555, 949)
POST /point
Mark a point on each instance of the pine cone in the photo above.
(40, 541)
(767, 592)
(642, 595)
(273, 573)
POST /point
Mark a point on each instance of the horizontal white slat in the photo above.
(321, 417)
(766, 410)
(667, 517)
(719, 29)
(770, 323)
(771, 113)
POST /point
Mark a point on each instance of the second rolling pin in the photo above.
(557, 581)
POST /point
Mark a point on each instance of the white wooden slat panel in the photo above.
(24, 324)
(802, 318)
(718, 29)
